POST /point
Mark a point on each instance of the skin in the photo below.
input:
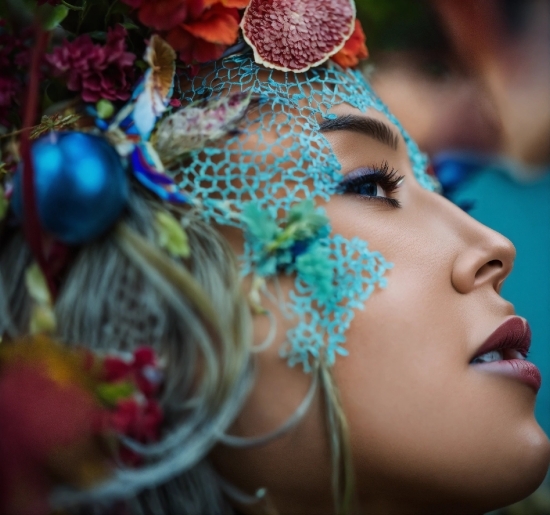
(430, 433)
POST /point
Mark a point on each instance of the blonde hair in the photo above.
(123, 291)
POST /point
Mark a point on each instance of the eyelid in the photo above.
(361, 172)
(388, 179)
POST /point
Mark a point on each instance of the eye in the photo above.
(375, 183)
(370, 189)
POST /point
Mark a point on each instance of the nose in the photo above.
(486, 259)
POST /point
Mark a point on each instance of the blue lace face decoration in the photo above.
(266, 178)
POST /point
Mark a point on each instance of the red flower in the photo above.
(237, 4)
(354, 50)
(96, 71)
(144, 356)
(146, 373)
(140, 422)
(115, 369)
(142, 370)
(165, 14)
(41, 420)
(205, 37)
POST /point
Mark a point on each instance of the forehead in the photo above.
(281, 154)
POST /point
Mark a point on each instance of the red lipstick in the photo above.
(505, 350)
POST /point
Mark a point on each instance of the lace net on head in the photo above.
(278, 159)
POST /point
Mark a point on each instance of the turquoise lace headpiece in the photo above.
(266, 178)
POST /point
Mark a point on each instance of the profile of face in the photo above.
(433, 429)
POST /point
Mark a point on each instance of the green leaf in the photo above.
(111, 393)
(171, 235)
(98, 35)
(42, 319)
(128, 24)
(37, 285)
(4, 204)
(52, 17)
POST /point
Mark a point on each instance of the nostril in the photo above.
(493, 272)
(487, 268)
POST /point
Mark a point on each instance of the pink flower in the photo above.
(98, 72)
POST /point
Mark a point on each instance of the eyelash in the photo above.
(388, 179)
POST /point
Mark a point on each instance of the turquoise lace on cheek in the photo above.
(281, 161)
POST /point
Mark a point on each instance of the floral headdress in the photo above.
(125, 99)
(86, 76)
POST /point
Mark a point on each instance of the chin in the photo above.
(515, 475)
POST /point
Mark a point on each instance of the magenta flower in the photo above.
(96, 71)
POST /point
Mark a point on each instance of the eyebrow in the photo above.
(367, 126)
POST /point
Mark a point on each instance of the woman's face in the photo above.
(430, 431)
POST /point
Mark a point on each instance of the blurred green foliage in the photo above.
(399, 24)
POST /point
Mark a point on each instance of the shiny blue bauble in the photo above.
(81, 186)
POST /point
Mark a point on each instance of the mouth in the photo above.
(505, 353)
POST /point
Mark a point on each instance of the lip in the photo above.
(514, 334)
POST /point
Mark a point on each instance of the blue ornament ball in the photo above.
(81, 186)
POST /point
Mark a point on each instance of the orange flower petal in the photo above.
(192, 50)
(354, 50)
(237, 4)
(218, 25)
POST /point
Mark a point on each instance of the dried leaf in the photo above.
(37, 285)
(156, 89)
(42, 314)
(43, 319)
(54, 123)
(171, 235)
(192, 127)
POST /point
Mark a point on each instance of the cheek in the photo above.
(421, 420)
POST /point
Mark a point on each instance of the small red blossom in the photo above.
(115, 369)
(142, 370)
(140, 422)
(97, 72)
(205, 37)
(354, 50)
(165, 14)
